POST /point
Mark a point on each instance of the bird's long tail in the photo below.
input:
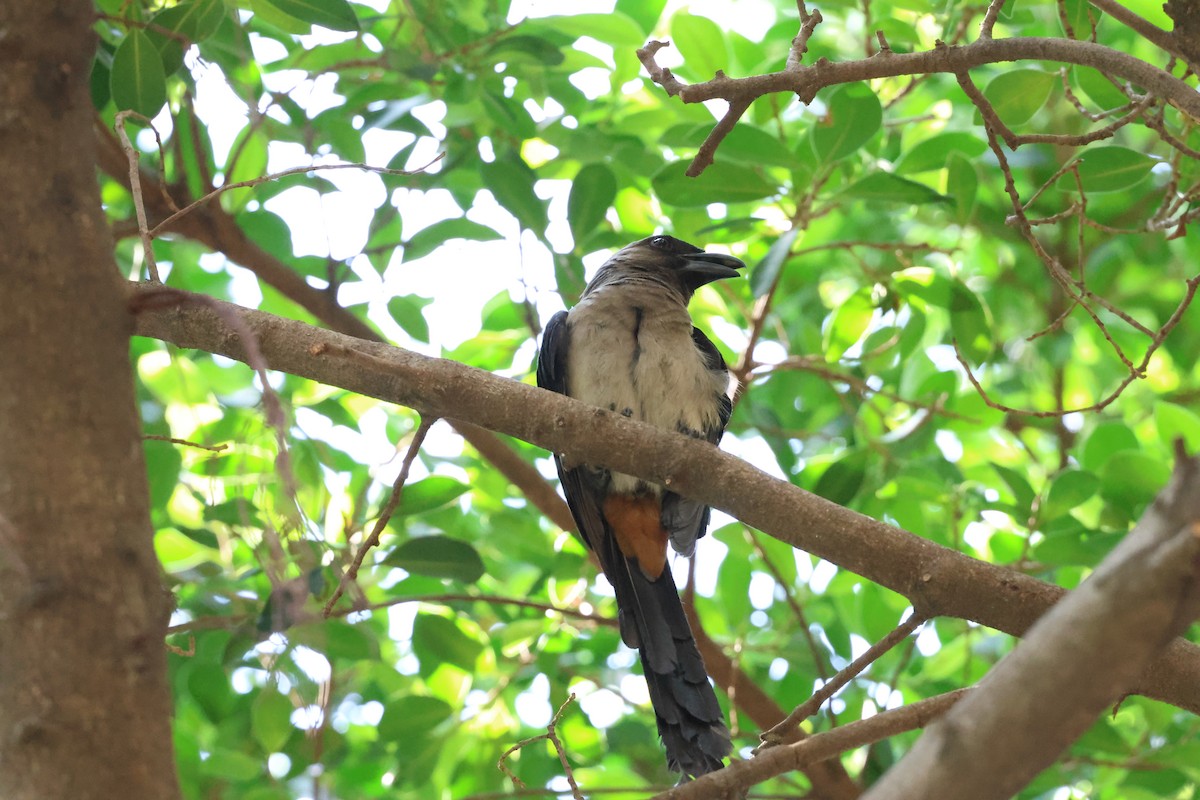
(689, 718)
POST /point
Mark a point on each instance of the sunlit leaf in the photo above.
(1016, 95)
(1109, 169)
(701, 44)
(270, 719)
(853, 117)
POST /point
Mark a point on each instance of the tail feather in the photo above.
(689, 717)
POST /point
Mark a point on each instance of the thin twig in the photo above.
(135, 188)
(214, 448)
(551, 736)
(809, 707)
(274, 176)
(414, 447)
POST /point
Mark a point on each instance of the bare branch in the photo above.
(393, 502)
(1082, 656)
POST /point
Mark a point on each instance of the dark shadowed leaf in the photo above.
(766, 272)
(138, 80)
(337, 15)
(720, 183)
(592, 193)
(884, 187)
(426, 240)
(438, 557)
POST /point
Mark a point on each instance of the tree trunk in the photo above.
(84, 704)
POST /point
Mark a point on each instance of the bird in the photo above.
(629, 346)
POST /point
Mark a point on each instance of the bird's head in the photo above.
(667, 260)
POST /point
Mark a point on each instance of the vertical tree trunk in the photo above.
(84, 704)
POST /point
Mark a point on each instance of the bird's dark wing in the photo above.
(687, 520)
(583, 485)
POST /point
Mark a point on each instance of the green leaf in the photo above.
(1176, 422)
(438, 557)
(193, 21)
(752, 145)
(430, 493)
(209, 687)
(848, 324)
(884, 187)
(426, 240)
(644, 12)
(720, 183)
(1132, 478)
(533, 50)
(970, 323)
(962, 184)
(592, 193)
(1023, 494)
(511, 181)
(1109, 169)
(406, 310)
(854, 115)
(437, 640)
(101, 79)
(936, 152)
(1105, 440)
(766, 272)
(1017, 94)
(614, 28)
(138, 80)
(412, 717)
(1099, 89)
(337, 15)
(1081, 16)
(841, 481)
(701, 44)
(231, 765)
(271, 719)
(1069, 490)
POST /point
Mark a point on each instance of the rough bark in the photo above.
(84, 703)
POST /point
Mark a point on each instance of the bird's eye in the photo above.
(659, 241)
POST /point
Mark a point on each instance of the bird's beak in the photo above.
(702, 268)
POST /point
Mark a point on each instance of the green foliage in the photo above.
(874, 221)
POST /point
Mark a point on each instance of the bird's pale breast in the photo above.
(632, 353)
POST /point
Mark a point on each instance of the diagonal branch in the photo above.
(938, 581)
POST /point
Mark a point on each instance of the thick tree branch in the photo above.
(1076, 661)
(937, 580)
(805, 82)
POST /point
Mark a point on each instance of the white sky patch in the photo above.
(592, 81)
(602, 707)
(221, 111)
(762, 590)
(533, 9)
(633, 688)
(710, 552)
(822, 574)
(533, 704)
(949, 444)
(928, 643)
